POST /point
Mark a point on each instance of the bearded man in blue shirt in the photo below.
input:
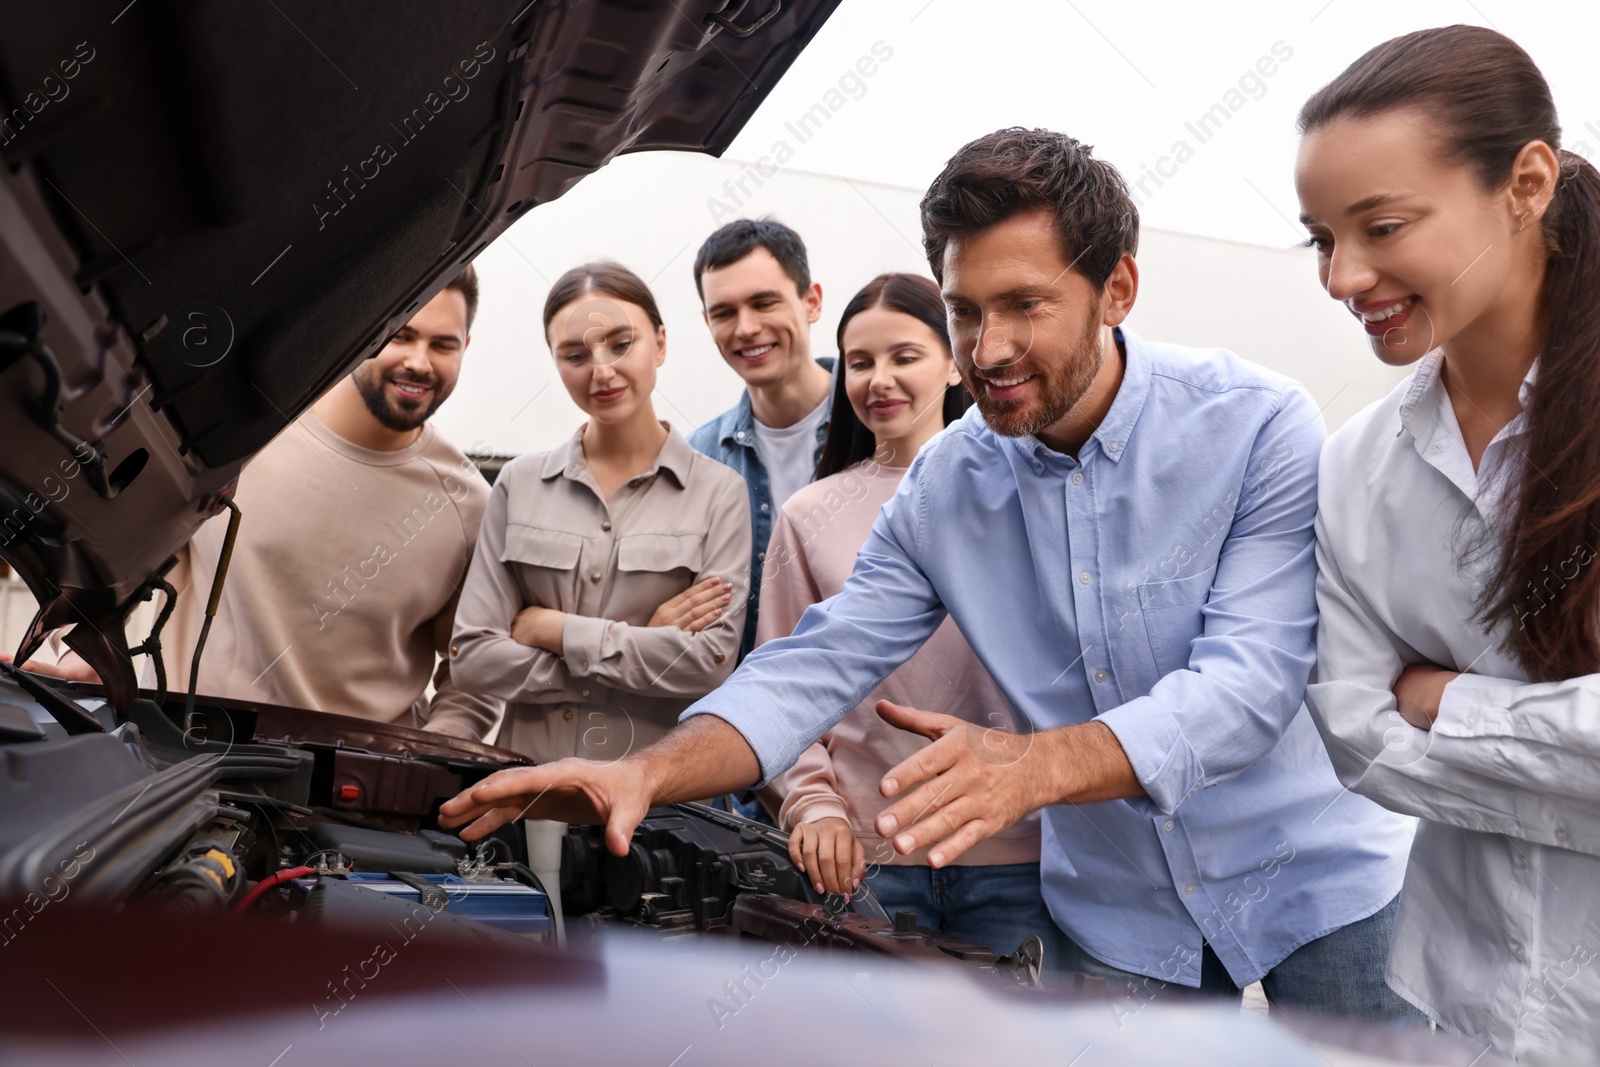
(1123, 532)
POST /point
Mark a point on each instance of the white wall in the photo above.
(651, 211)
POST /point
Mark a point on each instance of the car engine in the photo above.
(275, 814)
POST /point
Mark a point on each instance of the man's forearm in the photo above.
(704, 757)
(1084, 764)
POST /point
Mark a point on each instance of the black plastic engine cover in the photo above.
(685, 867)
(429, 852)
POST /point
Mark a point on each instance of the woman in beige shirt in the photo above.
(600, 602)
(897, 387)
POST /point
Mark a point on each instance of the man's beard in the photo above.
(371, 388)
(1061, 385)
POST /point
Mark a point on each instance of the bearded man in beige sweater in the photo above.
(359, 520)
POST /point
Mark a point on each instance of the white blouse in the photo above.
(1499, 920)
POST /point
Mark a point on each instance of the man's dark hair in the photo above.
(739, 238)
(1015, 170)
(466, 283)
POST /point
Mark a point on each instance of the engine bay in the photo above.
(268, 814)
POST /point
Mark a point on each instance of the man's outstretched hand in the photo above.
(976, 781)
(703, 757)
(968, 785)
(615, 795)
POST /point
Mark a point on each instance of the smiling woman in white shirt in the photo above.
(1458, 647)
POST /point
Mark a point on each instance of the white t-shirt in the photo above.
(789, 454)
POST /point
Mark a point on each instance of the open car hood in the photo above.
(208, 213)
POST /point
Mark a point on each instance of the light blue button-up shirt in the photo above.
(1163, 582)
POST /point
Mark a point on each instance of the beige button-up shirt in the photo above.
(550, 537)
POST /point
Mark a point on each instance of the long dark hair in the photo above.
(849, 441)
(1490, 101)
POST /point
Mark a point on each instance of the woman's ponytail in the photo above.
(1545, 586)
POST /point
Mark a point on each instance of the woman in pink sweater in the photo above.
(896, 388)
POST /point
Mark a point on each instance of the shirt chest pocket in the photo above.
(652, 569)
(662, 553)
(545, 563)
(1173, 617)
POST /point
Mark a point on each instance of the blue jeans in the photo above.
(1338, 974)
(744, 803)
(998, 907)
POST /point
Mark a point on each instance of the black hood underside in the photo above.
(209, 212)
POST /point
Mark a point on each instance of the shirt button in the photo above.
(594, 576)
(567, 715)
(1099, 676)
(1077, 477)
(1084, 577)
(1472, 720)
(1561, 833)
(1167, 826)
(606, 526)
(764, 507)
(1188, 889)
(585, 693)
(1115, 446)
(454, 651)
(761, 555)
(719, 657)
(584, 666)
(1516, 950)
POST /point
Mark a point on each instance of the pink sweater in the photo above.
(818, 533)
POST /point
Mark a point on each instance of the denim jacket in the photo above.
(730, 438)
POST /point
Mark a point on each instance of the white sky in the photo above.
(961, 68)
(1126, 77)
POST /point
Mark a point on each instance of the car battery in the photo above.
(498, 902)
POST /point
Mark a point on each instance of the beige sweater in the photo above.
(816, 538)
(343, 586)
